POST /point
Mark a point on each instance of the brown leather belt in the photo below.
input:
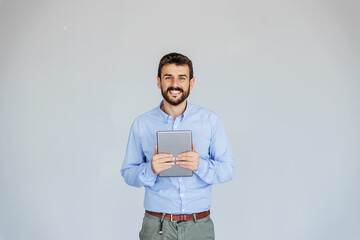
(181, 217)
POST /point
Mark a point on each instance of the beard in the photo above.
(177, 101)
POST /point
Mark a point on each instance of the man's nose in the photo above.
(174, 82)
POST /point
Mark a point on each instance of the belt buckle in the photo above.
(182, 218)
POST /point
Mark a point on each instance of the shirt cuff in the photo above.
(149, 177)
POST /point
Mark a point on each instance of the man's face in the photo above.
(175, 84)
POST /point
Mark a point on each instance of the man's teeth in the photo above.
(174, 91)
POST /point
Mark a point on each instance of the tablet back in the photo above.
(174, 142)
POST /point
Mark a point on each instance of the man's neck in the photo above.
(172, 110)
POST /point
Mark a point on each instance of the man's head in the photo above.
(177, 59)
(175, 78)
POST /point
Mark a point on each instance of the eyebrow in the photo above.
(170, 75)
(183, 75)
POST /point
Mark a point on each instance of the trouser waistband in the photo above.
(180, 217)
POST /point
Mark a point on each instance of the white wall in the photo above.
(282, 75)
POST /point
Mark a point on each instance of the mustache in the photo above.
(175, 89)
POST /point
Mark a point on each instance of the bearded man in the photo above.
(177, 207)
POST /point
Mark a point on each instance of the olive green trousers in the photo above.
(200, 229)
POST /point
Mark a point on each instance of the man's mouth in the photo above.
(175, 92)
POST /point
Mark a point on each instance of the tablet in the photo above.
(174, 142)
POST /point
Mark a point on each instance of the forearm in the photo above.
(214, 172)
(139, 175)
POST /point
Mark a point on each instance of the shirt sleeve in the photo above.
(219, 168)
(135, 170)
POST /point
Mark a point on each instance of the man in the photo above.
(177, 207)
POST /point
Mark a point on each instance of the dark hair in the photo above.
(177, 59)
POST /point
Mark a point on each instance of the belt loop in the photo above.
(161, 224)
(194, 217)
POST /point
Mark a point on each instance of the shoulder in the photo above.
(204, 113)
(145, 118)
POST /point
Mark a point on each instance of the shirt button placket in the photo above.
(182, 195)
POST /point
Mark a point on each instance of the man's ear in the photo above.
(192, 82)
(158, 82)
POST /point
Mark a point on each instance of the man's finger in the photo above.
(193, 146)
(186, 165)
(187, 154)
(165, 166)
(159, 167)
(163, 155)
(190, 167)
(165, 159)
(156, 149)
(186, 159)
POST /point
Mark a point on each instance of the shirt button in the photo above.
(183, 210)
(181, 195)
(180, 180)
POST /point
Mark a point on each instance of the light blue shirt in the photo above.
(178, 195)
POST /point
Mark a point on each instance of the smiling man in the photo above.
(177, 207)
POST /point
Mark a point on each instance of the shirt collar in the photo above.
(165, 117)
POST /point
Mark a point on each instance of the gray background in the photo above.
(282, 75)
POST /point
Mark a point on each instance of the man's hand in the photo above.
(161, 161)
(188, 160)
